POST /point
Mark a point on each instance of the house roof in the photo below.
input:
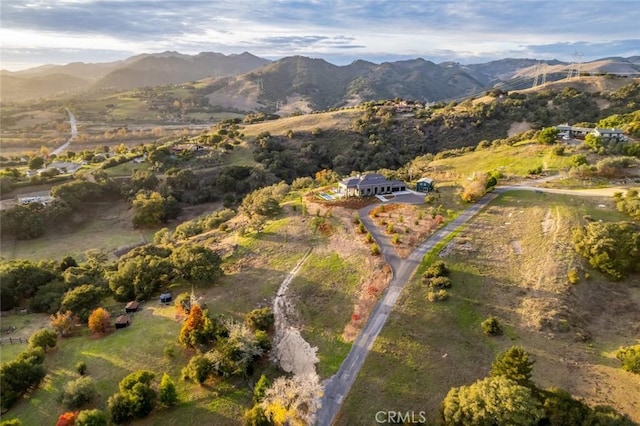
(123, 319)
(616, 131)
(369, 180)
(132, 305)
(425, 179)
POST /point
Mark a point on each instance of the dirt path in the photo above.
(294, 354)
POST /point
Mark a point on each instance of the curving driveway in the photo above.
(338, 386)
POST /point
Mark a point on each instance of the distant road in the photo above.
(74, 133)
(337, 387)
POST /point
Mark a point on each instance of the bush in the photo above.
(630, 358)
(437, 296)
(260, 319)
(572, 276)
(436, 269)
(395, 239)
(375, 250)
(43, 338)
(439, 282)
(491, 327)
(78, 393)
(198, 369)
(168, 395)
(514, 364)
(91, 418)
(81, 368)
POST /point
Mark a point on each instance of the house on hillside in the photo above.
(609, 133)
(187, 147)
(573, 131)
(424, 185)
(370, 185)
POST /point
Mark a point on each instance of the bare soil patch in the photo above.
(413, 224)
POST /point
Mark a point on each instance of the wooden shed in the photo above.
(131, 306)
(424, 185)
(123, 321)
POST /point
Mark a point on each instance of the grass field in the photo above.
(305, 123)
(107, 230)
(511, 262)
(510, 160)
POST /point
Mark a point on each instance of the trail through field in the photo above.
(293, 353)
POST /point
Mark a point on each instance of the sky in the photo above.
(37, 32)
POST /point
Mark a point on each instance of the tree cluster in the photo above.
(228, 348)
(628, 203)
(144, 270)
(508, 396)
(610, 247)
(20, 376)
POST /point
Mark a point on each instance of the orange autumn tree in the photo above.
(99, 320)
(67, 419)
(197, 329)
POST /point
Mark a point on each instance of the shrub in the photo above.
(491, 327)
(78, 393)
(168, 395)
(375, 250)
(395, 239)
(436, 269)
(630, 358)
(43, 338)
(578, 160)
(439, 282)
(368, 238)
(260, 319)
(198, 369)
(390, 229)
(572, 276)
(91, 418)
(361, 228)
(81, 368)
(437, 296)
(120, 408)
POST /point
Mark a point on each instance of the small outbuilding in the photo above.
(123, 321)
(424, 185)
(132, 306)
(166, 298)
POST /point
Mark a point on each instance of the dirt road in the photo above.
(74, 133)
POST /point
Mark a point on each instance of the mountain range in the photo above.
(297, 83)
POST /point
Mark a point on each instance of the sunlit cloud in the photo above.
(337, 30)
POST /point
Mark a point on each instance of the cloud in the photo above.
(465, 30)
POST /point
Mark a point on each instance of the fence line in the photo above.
(13, 340)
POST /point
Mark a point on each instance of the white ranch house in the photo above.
(370, 185)
(573, 131)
